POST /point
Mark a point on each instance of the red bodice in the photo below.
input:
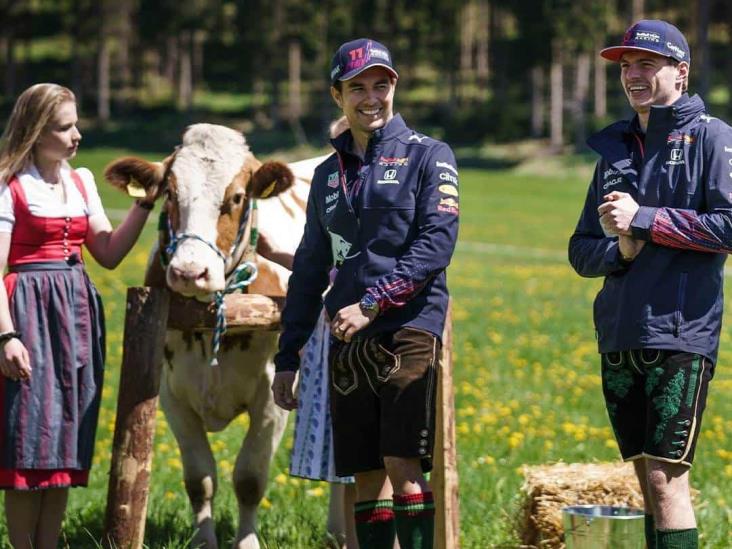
(44, 238)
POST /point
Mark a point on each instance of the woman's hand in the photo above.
(15, 361)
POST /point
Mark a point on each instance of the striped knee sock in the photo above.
(677, 539)
(375, 524)
(415, 520)
(650, 532)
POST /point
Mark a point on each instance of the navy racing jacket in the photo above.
(388, 224)
(680, 173)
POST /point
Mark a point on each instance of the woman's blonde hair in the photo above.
(32, 112)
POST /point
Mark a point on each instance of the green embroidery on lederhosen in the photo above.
(653, 376)
(668, 403)
(691, 391)
(619, 381)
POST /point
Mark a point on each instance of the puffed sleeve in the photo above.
(94, 202)
(7, 216)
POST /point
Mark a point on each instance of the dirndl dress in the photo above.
(48, 423)
(312, 449)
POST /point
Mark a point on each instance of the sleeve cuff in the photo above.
(642, 223)
(286, 362)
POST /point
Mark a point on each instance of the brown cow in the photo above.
(209, 182)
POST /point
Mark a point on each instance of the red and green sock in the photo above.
(415, 520)
(375, 524)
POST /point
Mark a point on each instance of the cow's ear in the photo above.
(130, 172)
(270, 179)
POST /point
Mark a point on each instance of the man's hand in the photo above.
(14, 360)
(282, 390)
(630, 247)
(617, 213)
(350, 320)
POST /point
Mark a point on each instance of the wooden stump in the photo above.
(445, 475)
(134, 430)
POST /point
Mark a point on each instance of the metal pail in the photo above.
(603, 527)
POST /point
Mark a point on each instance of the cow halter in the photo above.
(241, 276)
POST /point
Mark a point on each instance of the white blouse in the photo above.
(44, 202)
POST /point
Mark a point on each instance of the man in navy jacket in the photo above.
(657, 224)
(383, 216)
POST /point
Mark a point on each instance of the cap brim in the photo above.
(616, 52)
(356, 72)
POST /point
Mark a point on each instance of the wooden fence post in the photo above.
(445, 475)
(144, 337)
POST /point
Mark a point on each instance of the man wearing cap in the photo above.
(382, 212)
(657, 224)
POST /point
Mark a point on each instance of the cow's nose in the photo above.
(190, 273)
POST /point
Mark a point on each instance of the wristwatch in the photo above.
(369, 305)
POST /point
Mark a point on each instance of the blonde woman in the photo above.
(51, 318)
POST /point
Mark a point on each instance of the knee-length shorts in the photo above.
(655, 399)
(383, 392)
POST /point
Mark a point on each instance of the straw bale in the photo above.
(549, 488)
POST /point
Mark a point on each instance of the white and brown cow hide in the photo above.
(208, 182)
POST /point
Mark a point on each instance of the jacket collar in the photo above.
(611, 142)
(394, 128)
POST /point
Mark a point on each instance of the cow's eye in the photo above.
(238, 198)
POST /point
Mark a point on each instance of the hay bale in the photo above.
(549, 488)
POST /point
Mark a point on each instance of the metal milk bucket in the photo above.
(603, 527)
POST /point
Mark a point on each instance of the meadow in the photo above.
(526, 379)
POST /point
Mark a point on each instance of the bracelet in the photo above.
(145, 205)
(7, 336)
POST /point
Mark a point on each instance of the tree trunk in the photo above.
(702, 52)
(556, 115)
(103, 64)
(482, 53)
(171, 60)
(294, 109)
(199, 39)
(10, 66)
(600, 87)
(184, 96)
(467, 39)
(581, 91)
(538, 106)
(638, 10)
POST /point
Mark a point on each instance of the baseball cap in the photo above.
(358, 55)
(651, 35)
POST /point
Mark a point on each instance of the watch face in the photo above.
(368, 303)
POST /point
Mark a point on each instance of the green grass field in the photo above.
(526, 378)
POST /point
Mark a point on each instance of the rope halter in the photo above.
(238, 278)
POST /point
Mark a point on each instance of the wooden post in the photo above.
(149, 313)
(444, 474)
(134, 430)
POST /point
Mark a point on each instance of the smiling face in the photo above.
(367, 101)
(60, 138)
(650, 79)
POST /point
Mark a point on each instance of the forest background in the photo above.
(470, 70)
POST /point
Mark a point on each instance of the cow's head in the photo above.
(208, 182)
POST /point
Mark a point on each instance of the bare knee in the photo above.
(667, 481)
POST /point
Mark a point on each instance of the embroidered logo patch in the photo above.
(448, 205)
(333, 180)
(389, 178)
(448, 189)
(393, 161)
